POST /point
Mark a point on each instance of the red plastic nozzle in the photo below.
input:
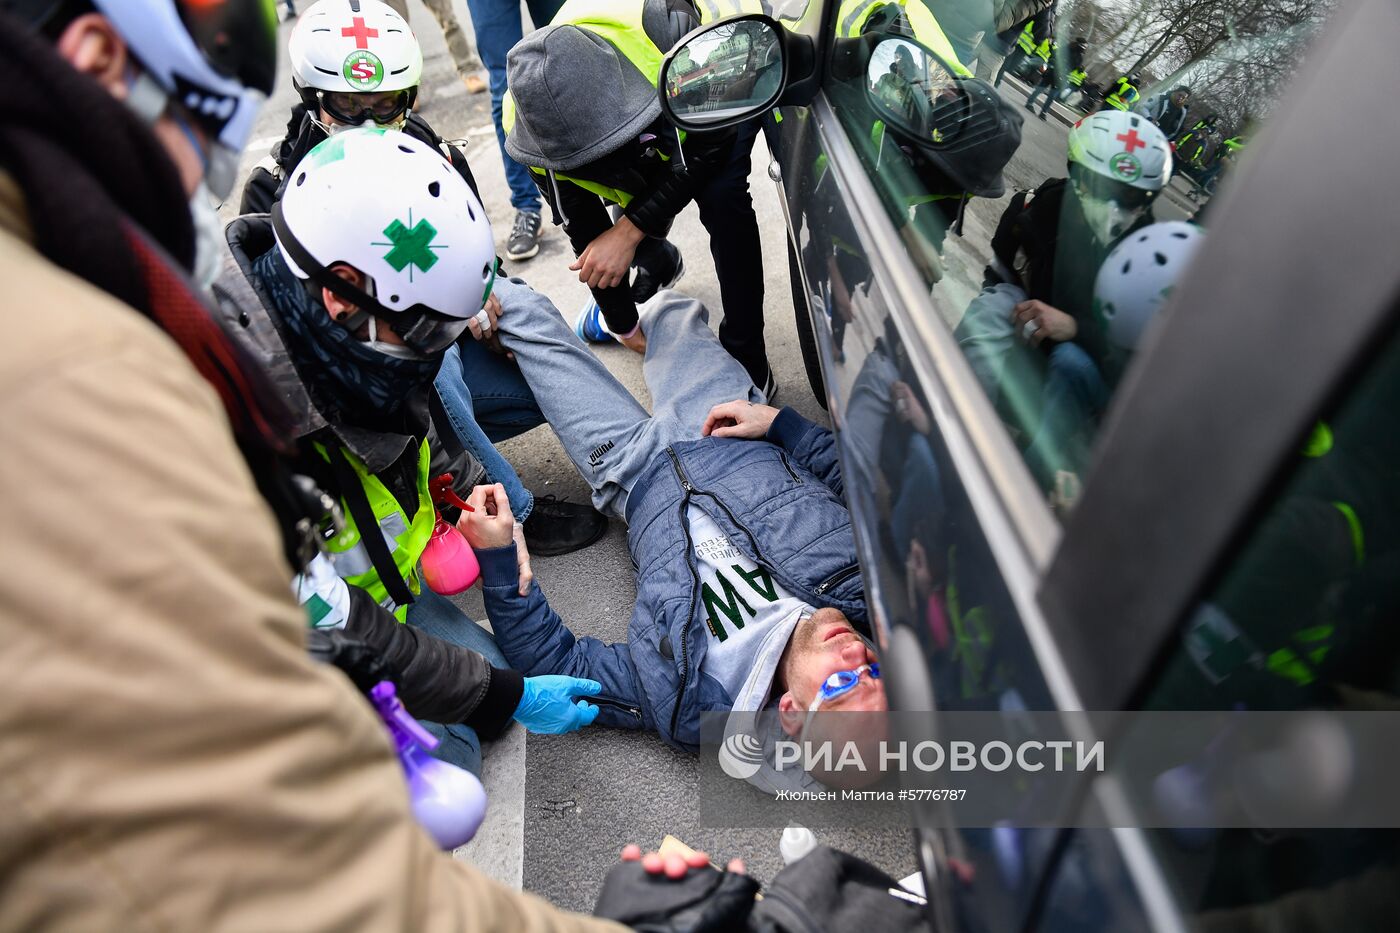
(443, 493)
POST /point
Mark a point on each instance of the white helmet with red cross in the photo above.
(1123, 147)
(354, 47)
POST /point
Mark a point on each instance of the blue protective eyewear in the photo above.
(841, 683)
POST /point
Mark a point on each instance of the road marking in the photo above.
(262, 144)
(498, 849)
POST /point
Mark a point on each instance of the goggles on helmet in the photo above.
(352, 109)
(215, 59)
(1091, 184)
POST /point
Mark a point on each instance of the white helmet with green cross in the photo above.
(393, 208)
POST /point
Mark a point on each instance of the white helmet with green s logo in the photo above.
(1123, 147)
(393, 208)
(354, 47)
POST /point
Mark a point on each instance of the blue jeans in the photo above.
(437, 616)
(1050, 90)
(1074, 399)
(498, 28)
(488, 401)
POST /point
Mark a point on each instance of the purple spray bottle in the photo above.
(448, 802)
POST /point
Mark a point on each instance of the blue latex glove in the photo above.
(547, 706)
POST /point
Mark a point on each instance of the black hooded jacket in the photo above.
(437, 681)
(1027, 244)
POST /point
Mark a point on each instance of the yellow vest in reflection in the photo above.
(714, 10)
(620, 23)
(1123, 96)
(1026, 40)
(852, 16)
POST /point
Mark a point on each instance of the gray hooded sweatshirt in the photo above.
(577, 98)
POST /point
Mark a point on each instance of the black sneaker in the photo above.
(770, 387)
(524, 239)
(644, 286)
(558, 526)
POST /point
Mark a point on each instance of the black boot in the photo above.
(557, 526)
(660, 267)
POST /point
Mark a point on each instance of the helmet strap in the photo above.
(146, 98)
(318, 273)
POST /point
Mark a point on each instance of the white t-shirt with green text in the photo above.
(739, 599)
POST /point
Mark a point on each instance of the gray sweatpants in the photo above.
(605, 431)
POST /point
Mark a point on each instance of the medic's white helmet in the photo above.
(216, 58)
(354, 47)
(1137, 277)
(1123, 147)
(393, 208)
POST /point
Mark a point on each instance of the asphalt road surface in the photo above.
(563, 806)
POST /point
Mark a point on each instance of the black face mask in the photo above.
(363, 383)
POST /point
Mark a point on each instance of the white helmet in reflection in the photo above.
(1138, 276)
(1123, 147)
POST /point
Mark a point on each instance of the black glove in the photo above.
(704, 900)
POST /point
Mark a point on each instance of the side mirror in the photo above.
(724, 73)
(906, 84)
(957, 125)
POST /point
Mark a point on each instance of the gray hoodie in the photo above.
(577, 98)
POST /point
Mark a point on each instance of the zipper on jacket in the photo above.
(615, 704)
(690, 491)
(837, 578)
(694, 587)
(788, 466)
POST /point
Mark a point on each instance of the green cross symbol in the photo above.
(411, 245)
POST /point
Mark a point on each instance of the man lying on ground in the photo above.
(748, 590)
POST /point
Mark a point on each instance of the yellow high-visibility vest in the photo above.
(852, 16)
(1026, 40)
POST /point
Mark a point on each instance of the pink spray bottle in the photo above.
(448, 802)
(449, 565)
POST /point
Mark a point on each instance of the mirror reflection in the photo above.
(725, 73)
(914, 89)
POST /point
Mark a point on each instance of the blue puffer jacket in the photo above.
(779, 501)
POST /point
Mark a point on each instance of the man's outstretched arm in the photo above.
(810, 445)
(530, 634)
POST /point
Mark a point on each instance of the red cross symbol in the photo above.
(360, 31)
(1131, 141)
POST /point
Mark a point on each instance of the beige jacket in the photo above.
(171, 760)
